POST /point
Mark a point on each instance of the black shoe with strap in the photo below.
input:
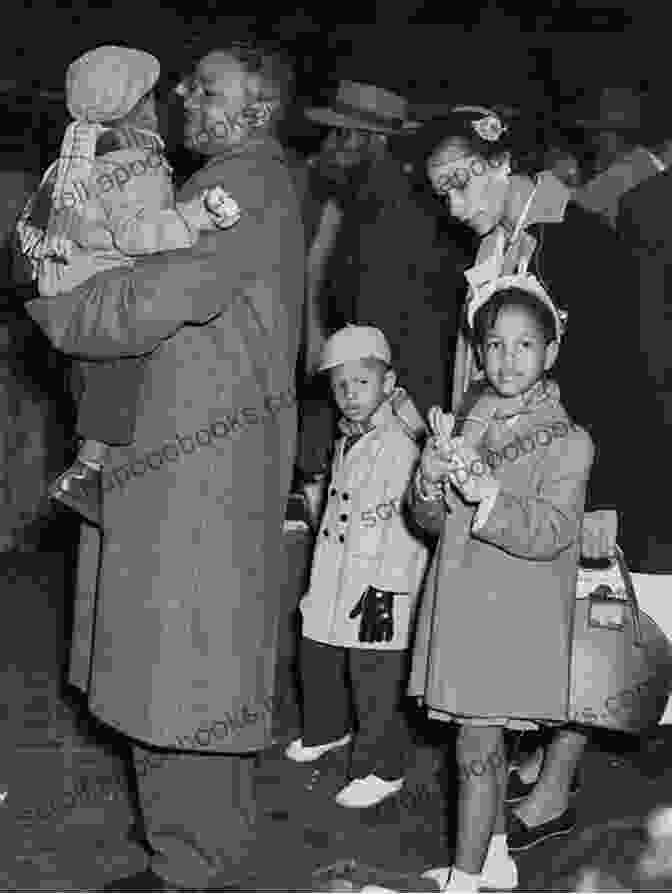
(521, 837)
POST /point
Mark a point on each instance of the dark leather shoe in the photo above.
(141, 881)
(80, 488)
(522, 837)
(517, 790)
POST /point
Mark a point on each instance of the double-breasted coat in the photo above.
(364, 538)
(178, 602)
(496, 617)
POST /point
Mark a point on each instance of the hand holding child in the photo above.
(222, 207)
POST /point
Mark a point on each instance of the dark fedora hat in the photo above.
(364, 107)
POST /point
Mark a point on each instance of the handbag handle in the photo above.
(632, 596)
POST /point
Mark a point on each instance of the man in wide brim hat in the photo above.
(359, 106)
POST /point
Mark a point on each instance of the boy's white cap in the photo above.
(526, 283)
(354, 343)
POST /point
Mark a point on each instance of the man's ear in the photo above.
(552, 349)
(389, 381)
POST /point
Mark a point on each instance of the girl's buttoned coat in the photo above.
(496, 617)
(364, 539)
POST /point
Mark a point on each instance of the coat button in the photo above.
(343, 517)
(346, 496)
(333, 492)
(325, 532)
(341, 538)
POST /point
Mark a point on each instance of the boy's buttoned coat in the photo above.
(364, 539)
(496, 617)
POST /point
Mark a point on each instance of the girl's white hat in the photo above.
(354, 343)
(526, 283)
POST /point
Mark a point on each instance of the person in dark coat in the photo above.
(177, 609)
(644, 227)
(379, 257)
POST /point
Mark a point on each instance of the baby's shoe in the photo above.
(297, 751)
(368, 792)
(80, 489)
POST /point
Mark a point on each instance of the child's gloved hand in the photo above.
(375, 607)
(196, 214)
(470, 475)
(436, 461)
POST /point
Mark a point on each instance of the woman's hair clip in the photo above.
(490, 127)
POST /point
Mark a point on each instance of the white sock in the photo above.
(498, 849)
(463, 881)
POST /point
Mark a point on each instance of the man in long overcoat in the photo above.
(382, 258)
(178, 600)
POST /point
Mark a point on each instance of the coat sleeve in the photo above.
(397, 544)
(582, 263)
(544, 525)
(129, 311)
(137, 230)
(428, 514)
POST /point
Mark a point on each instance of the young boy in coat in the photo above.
(366, 575)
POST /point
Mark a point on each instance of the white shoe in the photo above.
(297, 751)
(500, 873)
(368, 791)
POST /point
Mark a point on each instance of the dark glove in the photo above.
(375, 607)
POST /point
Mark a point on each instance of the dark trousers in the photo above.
(200, 815)
(108, 400)
(373, 682)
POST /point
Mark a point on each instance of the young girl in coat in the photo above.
(492, 650)
(108, 198)
(366, 574)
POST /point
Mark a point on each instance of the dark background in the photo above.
(538, 58)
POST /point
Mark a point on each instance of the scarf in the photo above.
(74, 167)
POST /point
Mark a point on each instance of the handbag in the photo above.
(621, 665)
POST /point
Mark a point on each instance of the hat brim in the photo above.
(336, 119)
(597, 124)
